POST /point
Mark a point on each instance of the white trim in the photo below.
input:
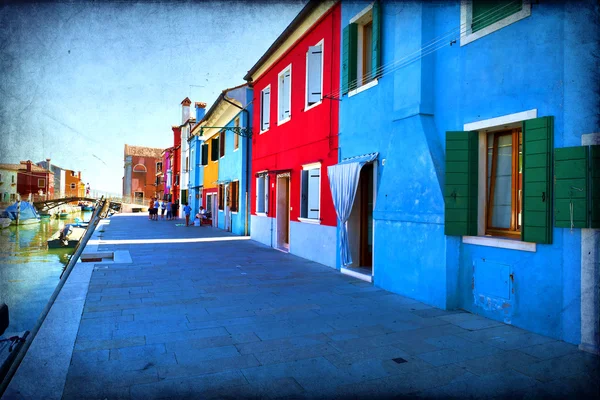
(501, 243)
(361, 14)
(364, 87)
(279, 88)
(502, 120)
(310, 220)
(358, 275)
(466, 19)
(306, 106)
(261, 214)
(260, 117)
(314, 165)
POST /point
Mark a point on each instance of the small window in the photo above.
(265, 108)
(504, 188)
(314, 74)
(236, 136)
(1, 178)
(73, 186)
(137, 168)
(41, 182)
(205, 154)
(177, 180)
(222, 144)
(13, 179)
(310, 193)
(234, 195)
(262, 194)
(221, 195)
(482, 17)
(284, 99)
(158, 180)
(187, 164)
(214, 149)
(159, 167)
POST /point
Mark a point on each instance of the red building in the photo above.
(35, 181)
(176, 163)
(295, 135)
(140, 179)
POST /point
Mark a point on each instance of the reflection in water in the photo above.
(29, 272)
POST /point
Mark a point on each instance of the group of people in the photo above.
(169, 208)
(201, 215)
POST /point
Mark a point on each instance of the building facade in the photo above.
(460, 159)
(139, 181)
(295, 136)
(196, 176)
(74, 187)
(59, 177)
(176, 165)
(8, 182)
(187, 122)
(34, 182)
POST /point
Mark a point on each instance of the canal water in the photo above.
(29, 271)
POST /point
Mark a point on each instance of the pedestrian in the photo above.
(176, 209)
(151, 209)
(187, 211)
(163, 208)
(169, 210)
(156, 206)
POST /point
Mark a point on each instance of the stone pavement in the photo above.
(218, 316)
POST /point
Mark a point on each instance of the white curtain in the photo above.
(343, 181)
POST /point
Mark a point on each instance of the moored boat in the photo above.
(63, 215)
(22, 212)
(87, 208)
(67, 237)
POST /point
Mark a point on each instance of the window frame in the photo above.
(466, 19)
(235, 196)
(222, 144)
(262, 109)
(265, 199)
(157, 166)
(236, 137)
(279, 95)
(361, 19)
(306, 105)
(311, 167)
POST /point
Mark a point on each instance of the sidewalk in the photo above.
(202, 313)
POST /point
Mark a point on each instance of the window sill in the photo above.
(310, 107)
(261, 214)
(283, 121)
(310, 221)
(500, 243)
(364, 87)
(234, 150)
(261, 132)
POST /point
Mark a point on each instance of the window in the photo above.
(314, 74)
(504, 183)
(13, 179)
(177, 180)
(499, 180)
(73, 173)
(262, 193)
(265, 108)
(205, 154)
(310, 192)
(159, 167)
(1, 178)
(214, 149)
(361, 55)
(221, 195)
(233, 200)
(187, 164)
(236, 136)
(73, 186)
(158, 180)
(222, 144)
(13, 197)
(482, 17)
(137, 168)
(284, 95)
(41, 182)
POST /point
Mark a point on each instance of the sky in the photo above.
(80, 80)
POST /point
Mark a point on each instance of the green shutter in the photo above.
(376, 40)
(595, 186)
(349, 58)
(460, 191)
(205, 154)
(538, 135)
(571, 170)
(486, 12)
(214, 150)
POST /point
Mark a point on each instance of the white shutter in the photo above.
(314, 77)
(314, 180)
(266, 198)
(288, 93)
(260, 194)
(266, 108)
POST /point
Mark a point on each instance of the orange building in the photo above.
(74, 187)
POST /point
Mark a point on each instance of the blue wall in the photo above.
(235, 164)
(196, 175)
(405, 116)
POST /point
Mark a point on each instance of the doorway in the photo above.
(283, 212)
(211, 207)
(227, 207)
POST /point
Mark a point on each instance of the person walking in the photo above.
(151, 209)
(169, 210)
(163, 208)
(156, 206)
(187, 210)
(175, 209)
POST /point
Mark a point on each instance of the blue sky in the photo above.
(79, 80)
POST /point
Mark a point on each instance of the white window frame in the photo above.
(361, 19)
(262, 109)
(236, 137)
(265, 199)
(309, 167)
(279, 90)
(466, 19)
(306, 105)
(73, 186)
(483, 126)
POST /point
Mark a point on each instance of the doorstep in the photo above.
(362, 273)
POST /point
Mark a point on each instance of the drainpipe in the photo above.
(246, 222)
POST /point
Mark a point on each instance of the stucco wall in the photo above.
(313, 242)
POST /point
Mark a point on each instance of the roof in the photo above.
(22, 166)
(214, 105)
(10, 167)
(296, 22)
(142, 151)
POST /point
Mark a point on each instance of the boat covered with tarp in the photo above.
(22, 211)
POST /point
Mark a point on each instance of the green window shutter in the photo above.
(595, 186)
(214, 150)
(376, 40)
(486, 12)
(460, 191)
(349, 44)
(538, 136)
(204, 154)
(571, 171)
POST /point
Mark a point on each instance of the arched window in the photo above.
(140, 168)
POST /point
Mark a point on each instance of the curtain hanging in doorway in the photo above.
(343, 181)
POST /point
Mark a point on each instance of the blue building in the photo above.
(458, 121)
(230, 118)
(196, 172)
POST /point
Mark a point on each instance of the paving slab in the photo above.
(200, 313)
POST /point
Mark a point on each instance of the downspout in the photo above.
(246, 221)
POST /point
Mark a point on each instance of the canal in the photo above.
(29, 271)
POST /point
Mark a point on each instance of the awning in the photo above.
(221, 182)
(343, 181)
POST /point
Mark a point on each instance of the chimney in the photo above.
(79, 175)
(200, 110)
(185, 110)
(48, 164)
(28, 165)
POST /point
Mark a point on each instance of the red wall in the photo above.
(144, 181)
(310, 136)
(176, 163)
(27, 182)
